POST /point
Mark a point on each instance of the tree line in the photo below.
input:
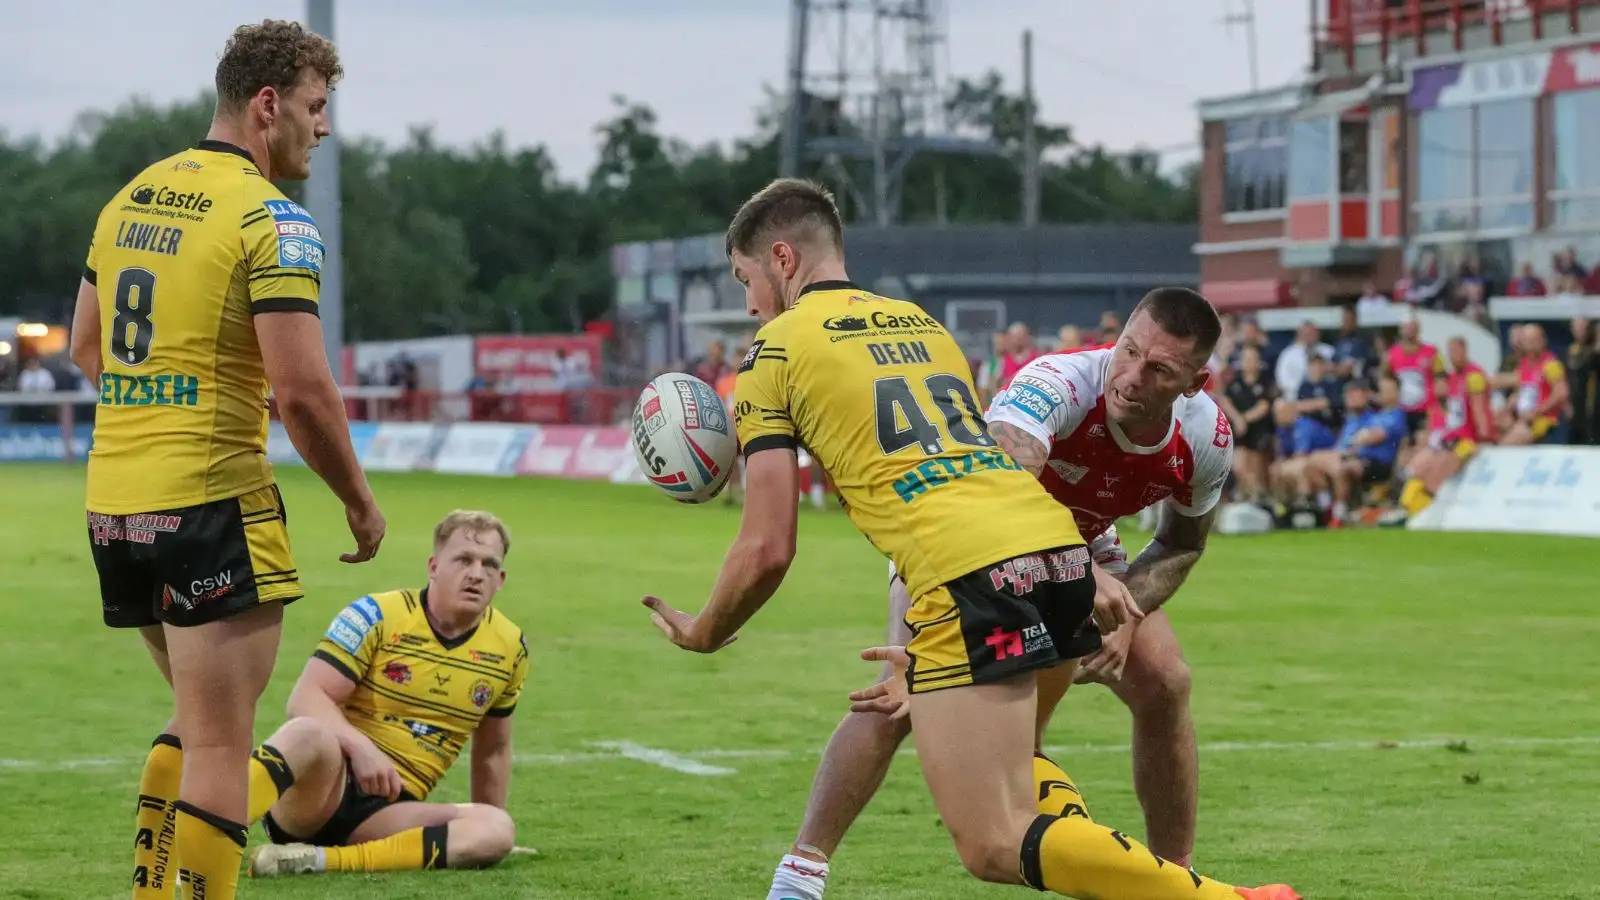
(488, 238)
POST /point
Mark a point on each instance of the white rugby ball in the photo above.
(682, 438)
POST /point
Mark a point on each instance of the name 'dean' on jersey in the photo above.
(419, 696)
(880, 393)
(182, 258)
(1094, 468)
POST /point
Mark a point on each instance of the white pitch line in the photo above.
(663, 758)
(689, 762)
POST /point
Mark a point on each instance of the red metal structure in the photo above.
(1339, 26)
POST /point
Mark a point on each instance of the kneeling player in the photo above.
(1109, 431)
(395, 688)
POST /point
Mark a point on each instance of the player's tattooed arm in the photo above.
(1027, 450)
(1163, 565)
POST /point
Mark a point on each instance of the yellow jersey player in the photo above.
(998, 575)
(201, 289)
(397, 686)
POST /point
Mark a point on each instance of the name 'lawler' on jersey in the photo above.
(182, 258)
(1094, 468)
(880, 393)
(419, 696)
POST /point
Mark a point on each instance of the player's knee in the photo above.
(1166, 688)
(993, 857)
(482, 837)
(305, 742)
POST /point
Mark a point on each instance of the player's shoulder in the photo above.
(363, 616)
(502, 636)
(1205, 427)
(1073, 370)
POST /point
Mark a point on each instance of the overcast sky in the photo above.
(543, 71)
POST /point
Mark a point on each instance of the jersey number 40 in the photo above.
(904, 420)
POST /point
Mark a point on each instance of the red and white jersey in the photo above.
(1094, 469)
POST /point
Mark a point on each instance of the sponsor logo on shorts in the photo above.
(1018, 576)
(136, 529)
(1008, 644)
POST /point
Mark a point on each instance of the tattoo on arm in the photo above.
(1027, 450)
(1163, 565)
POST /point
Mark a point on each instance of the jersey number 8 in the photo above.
(903, 419)
(131, 328)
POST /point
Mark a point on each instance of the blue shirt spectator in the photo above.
(1392, 423)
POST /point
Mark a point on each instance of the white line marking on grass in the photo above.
(663, 758)
(689, 762)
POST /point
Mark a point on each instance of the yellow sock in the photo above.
(1077, 858)
(417, 848)
(209, 850)
(1414, 497)
(153, 821)
(269, 779)
(1058, 796)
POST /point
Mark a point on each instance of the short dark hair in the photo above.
(785, 206)
(272, 54)
(1183, 313)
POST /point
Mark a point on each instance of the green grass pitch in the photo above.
(1383, 715)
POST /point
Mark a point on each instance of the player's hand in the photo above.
(374, 772)
(1113, 604)
(367, 527)
(679, 627)
(1105, 665)
(890, 696)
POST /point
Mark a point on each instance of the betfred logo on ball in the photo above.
(682, 438)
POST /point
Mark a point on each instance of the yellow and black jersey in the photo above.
(182, 258)
(882, 395)
(418, 696)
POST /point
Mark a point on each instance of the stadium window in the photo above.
(1311, 159)
(1355, 157)
(1575, 191)
(1504, 156)
(1256, 163)
(1475, 168)
(1444, 170)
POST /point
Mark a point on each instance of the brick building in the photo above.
(1428, 134)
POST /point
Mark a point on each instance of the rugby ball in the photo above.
(682, 438)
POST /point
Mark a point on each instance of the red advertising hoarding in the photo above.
(527, 363)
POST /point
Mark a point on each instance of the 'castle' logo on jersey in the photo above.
(846, 323)
(164, 201)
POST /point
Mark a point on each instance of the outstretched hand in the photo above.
(679, 626)
(889, 697)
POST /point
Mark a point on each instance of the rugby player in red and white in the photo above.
(1108, 431)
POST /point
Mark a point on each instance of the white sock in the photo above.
(816, 495)
(1340, 510)
(1324, 499)
(798, 878)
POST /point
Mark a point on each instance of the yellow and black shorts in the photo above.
(355, 807)
(191, 566)
(1027, 613)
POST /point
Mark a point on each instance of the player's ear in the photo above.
(785, 259)
(1198, 382)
